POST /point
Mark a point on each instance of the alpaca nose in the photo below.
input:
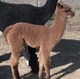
(72, 13)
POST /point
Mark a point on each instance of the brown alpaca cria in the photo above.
(44, 38)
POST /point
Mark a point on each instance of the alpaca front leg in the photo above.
(41, 70)
(47, 70)
(14, 66)
(47, 64)
(41, 66)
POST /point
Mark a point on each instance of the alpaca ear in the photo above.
(60, 5)
(60, 1)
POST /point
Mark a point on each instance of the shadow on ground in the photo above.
(4, 57)
(69, 53)
(29, 76)
(5, 72)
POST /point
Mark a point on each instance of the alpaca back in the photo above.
(32, 34)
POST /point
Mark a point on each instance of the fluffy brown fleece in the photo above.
(44, 38)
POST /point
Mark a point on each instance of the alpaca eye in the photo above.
(69, 10)
(65, 11)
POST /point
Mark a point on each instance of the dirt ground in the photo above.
(65, 56)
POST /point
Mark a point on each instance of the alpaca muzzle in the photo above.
(72, 13)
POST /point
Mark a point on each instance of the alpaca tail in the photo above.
(6, 31)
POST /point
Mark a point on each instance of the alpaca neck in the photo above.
(60, 21)
(58, 28)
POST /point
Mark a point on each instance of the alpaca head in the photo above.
(64, 8)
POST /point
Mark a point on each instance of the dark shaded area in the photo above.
(13, 13)
(30, 76)
(5, 72)
(69, 53)
(4, 57)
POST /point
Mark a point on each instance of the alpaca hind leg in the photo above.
(16, 50)
(16, 45)
(14, 60)
(14, 66)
